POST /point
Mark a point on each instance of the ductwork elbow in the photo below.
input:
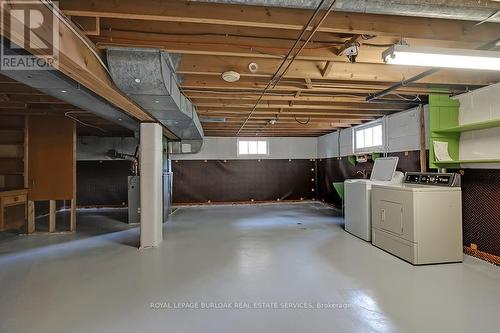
(148, 77)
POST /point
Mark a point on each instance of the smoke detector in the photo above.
(253, 67)
(231, 76)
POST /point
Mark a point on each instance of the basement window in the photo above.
(253, 147)
(369, 138)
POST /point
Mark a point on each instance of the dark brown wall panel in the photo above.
(102, 183)
(197, 181)
(481, 209)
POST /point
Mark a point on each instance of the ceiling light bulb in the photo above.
(137, 80)
(63, 91)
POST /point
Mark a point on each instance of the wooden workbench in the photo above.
(9, 198)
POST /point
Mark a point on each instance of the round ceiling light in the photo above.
(231, 76)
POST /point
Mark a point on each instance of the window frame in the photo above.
(371, 149)
(252, 140)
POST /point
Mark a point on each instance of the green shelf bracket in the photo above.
(443, 113)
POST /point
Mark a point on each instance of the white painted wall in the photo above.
(480, 105)
(402, 133)
(225, 148)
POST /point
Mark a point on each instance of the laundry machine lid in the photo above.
(384, 168)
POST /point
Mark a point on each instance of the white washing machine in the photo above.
(357, 203)
(419, 221)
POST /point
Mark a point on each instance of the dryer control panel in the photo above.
(430, 178)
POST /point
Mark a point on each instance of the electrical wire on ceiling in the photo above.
(68, 114)
(302, 123)
(340, 41)
(416, 98)
(299, 39)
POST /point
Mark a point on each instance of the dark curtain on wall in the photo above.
(198, 181)
(102, 183)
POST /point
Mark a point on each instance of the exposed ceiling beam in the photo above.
(281, 18)
(216, 65)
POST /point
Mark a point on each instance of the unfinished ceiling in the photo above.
(323, 91)
(19, 99)
(473, 10)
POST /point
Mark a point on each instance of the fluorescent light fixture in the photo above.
(442, 57)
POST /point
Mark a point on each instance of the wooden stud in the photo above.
(72, 226)
(31, 216)
(52, 215)
(26, 156)
(89, 25)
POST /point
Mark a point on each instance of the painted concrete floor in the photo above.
(267, 268)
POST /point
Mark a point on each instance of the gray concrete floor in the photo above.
(246, 257)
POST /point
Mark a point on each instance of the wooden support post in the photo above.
(2, 213)
(52, 215)
(423, 153)
(31, 216)
(72, 226)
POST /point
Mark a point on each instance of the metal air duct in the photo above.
(148, 77)
(57, 84)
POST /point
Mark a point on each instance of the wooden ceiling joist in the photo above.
(313, 70)
(321, 92)
(281, 18)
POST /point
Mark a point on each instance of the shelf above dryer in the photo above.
(471, 127)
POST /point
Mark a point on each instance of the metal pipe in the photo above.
(401, 84)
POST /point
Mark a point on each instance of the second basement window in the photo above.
(369, 138)
(252, 147)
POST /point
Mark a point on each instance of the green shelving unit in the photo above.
(440, 163)
(471, 127)
(444, 127)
